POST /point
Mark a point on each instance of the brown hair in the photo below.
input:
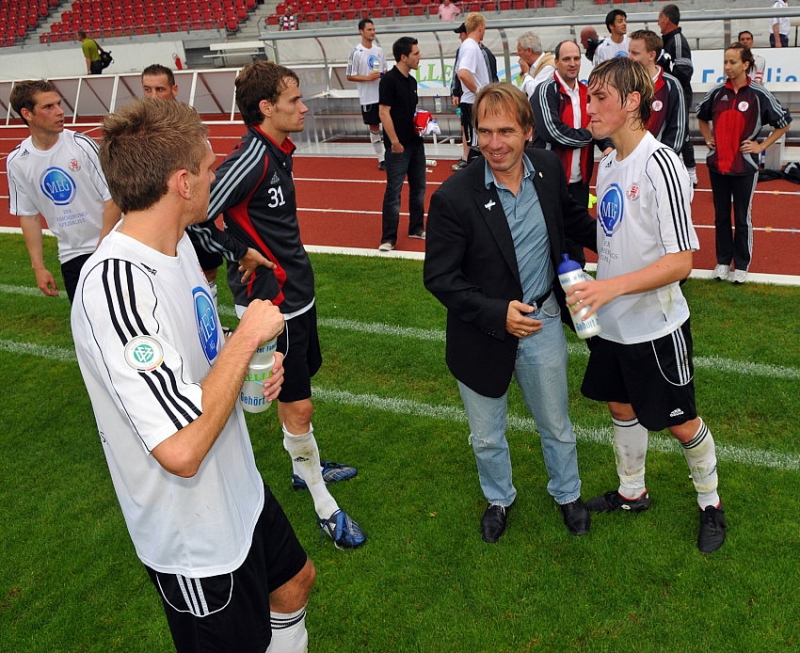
(260, 80)
(144, 144)
(746, 55)
(503, 96)
(626, 76)
(652, 41)
(23, 95)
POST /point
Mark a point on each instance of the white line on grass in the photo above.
(657, 443)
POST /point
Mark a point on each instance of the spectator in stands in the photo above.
(448, 11)
(779, 34)
(756, 74)
(536, 65)
(668, 114)
(288, 22)
(365, 67)
(590, 39)
(405, 150)
(91, 52)
(677, 47)
(616, 43)
(561, 124)
(55, 173)
(474, 73)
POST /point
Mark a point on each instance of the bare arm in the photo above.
(666, 270)
(467, 80)
(705, 130)
(31, 226)
(364, 78)
(388, 127)
(754, 147)
(183, 452)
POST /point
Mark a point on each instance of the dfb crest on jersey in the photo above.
(610, 209)
(58, 186)
(206, 323)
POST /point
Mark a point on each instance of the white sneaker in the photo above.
(721, 272)
(419, 236)
(692, 176)
(385, 247)
(739, 276)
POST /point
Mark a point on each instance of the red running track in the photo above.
(340, 203)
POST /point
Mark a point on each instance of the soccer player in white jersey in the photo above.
(365, 67)
(55, 174)
(641, 364)
(164, 385)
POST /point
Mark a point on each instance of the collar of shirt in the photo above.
(488, 176)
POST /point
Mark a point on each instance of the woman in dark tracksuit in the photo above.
(738, 108)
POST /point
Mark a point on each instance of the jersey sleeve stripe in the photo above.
(254, 155)
(667, 163)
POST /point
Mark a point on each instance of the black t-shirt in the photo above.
(400, 93)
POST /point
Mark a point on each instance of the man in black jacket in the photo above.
(677, 47)
(495, 235)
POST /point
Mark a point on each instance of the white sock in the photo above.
(289, 634)
(701, 456)
(305, 463)
(630, 452)
(377, 143)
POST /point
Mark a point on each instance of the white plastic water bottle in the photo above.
(569, 273)
(431, 163)
(437, 103)
(252, 395)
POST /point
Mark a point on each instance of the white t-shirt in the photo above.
(471, 58)
(535, 77)
(146, 332)
(643, 212)
(66, 185)
(783, 23)
(609, 50)
(364, 61)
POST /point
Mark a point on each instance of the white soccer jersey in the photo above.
(364, 61)
(643, 213)
(66, 185)
(146, 333)
(610, 50)
(471, 58)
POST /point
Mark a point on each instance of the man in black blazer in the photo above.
(495, 235)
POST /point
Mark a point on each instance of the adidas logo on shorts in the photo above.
(676, 413)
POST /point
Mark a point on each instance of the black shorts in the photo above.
(71, 272)
(299, 343)
(208, 260)
(466, 122)
(369, 112)
(231, 612)
(655, 377)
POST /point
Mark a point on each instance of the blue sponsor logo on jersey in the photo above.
(206, 323)
(58, 186)
(610, 209)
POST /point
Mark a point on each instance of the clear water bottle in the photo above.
(431, 163)
(252, 395)
(437, 103)
(569, 273)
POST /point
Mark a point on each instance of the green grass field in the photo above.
(425, 582)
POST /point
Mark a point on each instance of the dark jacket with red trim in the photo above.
(668, 111)
(254, 191)
(739, 116)
(553, 120)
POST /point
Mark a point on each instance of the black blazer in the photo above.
(471, 265)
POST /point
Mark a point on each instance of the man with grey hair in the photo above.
(535, 64)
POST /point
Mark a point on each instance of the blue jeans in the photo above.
(541, 373)
(410, 162)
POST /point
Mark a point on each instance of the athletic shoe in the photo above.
(739, 277)
(385, 247)
(331, 473)
(712, 529)
(458, 166)
(344, 532)
(692, 176)
(381, 165)
(721, 272)
(613, 500)
(419, 236)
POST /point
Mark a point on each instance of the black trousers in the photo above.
(734, 243)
